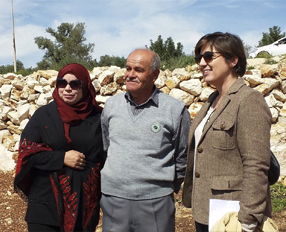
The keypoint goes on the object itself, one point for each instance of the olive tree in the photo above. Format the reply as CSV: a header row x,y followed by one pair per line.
x,y
67,46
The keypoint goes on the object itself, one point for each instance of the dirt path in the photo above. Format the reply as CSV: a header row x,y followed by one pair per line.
x,y
12,210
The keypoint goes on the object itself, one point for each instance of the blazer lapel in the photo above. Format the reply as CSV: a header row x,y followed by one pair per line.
x,y
216,113
201,114
225,101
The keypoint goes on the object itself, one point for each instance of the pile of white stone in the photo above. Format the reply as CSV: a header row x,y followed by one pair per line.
x,y
20,96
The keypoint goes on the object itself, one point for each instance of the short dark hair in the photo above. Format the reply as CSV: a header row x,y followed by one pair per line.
x,y
228,45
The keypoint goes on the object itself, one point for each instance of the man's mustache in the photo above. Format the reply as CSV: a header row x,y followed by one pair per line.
x,y
133,79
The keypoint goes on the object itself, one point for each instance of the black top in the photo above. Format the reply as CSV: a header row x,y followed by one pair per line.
x,y
59,195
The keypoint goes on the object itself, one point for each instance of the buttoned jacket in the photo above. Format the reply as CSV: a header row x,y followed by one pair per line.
x,y
232,157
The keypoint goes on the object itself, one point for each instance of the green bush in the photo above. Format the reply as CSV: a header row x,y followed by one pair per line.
x,y
263,55
270,61
177,62
278,197
250,67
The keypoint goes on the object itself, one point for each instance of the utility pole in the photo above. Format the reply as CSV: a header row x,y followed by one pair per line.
x,y
14,44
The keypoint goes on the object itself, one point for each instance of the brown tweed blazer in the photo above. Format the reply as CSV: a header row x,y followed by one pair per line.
x,y
233,156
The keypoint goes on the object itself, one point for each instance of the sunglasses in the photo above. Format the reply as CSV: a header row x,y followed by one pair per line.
x,y
208,57
74,84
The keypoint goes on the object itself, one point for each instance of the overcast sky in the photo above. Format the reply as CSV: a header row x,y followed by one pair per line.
x,y
116,27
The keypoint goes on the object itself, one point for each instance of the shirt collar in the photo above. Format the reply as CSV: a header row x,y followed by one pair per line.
x,y
154,97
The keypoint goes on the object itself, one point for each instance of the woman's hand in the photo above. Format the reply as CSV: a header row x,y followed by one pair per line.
x,y
74,159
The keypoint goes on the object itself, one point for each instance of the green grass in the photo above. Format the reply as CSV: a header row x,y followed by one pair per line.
x,y
278,197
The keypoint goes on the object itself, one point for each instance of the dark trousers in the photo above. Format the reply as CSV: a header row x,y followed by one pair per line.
x,y
33,227
201,227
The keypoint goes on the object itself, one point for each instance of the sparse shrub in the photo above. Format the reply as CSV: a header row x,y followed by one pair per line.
x,y
270,61
263,55
278,197
250,67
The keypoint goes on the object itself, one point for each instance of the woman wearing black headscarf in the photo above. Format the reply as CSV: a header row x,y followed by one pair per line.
x,y
60,157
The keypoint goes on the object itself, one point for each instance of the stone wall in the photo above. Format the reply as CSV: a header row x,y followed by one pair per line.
x,y
21,96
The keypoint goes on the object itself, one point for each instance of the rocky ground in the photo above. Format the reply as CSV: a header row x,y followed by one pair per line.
x,y
12,210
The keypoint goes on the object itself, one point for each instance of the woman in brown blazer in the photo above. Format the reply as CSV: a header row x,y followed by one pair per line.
x,y
229,140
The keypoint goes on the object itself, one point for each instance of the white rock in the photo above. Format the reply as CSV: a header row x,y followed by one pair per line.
x,y
95,72
32,110
2,125
197,76
23,124
5,91
33,97
43,81
195,108
105,77
181,73
119,76
274,113
101,99
18,83
10,76
283,86
3,133
96,85
42,100
6,159
172,82
272,102
108,89
267,86
14,117
253,79
47,89
192,86
31,82
23,111
206,93
4,110
114,69
38,88
182,96
160,82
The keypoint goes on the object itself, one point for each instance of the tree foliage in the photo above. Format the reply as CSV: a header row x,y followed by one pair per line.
x,y
171,56
107,60
273,35
20,69
166,49
68,46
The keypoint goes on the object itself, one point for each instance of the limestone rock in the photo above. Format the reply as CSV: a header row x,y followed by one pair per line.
x,y
192,86
6,159
268,85
268,70
172,82
206,93
105,77
5,91
195,108
182,96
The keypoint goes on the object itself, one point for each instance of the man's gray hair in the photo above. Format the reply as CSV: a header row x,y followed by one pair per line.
x,y
155,62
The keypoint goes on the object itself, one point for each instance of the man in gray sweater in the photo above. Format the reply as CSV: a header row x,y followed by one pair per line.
x,y
145,133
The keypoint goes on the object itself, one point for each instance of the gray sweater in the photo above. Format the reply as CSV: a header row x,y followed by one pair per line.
x,y
142,149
